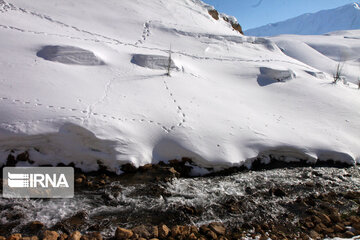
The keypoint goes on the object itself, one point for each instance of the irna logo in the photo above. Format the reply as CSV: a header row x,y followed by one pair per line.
x,y
38,182
16,180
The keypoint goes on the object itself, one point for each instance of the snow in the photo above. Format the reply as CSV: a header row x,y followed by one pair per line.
x,y
69,55
269,75
153,61
224,107
342,18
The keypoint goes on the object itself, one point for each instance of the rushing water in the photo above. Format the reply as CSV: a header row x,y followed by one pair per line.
x,y
233,199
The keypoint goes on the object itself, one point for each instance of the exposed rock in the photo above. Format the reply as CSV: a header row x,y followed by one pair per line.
x,y
194,229
218,228
142,231
72,223
324,218
320,228
50,235
192,236
11,161
316,219
92,236
211,235
314,235
30,238
163,231
204,229
237,27
356,226
155,231
338,228
15,236
249,190
75,236
63,236
24,157
354,219
214,14
175,231
25,238
181,232
349,234
79,181
174,172
146,167
309,224
304,236
335,216
122,233
33,228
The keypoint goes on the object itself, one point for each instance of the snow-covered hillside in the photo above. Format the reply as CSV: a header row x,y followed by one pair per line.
x,y
342,18
84,82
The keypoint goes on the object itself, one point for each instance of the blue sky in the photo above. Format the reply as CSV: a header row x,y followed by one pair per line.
x,y
250,14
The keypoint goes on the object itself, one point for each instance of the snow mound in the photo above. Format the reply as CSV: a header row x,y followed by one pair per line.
x,y
69,55
267,43
153,61
319,75
269,75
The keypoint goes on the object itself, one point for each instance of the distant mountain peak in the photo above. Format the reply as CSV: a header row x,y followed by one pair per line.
x,y
314,23
356,5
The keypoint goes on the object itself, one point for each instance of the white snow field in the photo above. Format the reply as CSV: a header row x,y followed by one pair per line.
x,y
346,17
99,94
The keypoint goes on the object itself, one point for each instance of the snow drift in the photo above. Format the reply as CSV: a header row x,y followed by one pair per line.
x,y
69,55
219,110
153,61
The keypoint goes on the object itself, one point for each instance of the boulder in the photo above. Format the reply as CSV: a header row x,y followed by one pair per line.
x,y
75,236
15,236
163,231
122,233
92,236
142,231
314,235
50,235
214,14
218,228
155,231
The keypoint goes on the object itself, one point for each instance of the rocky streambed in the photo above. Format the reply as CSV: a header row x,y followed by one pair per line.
x,y
164,202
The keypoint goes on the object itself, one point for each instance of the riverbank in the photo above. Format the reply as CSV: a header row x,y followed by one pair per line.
x,y
296,202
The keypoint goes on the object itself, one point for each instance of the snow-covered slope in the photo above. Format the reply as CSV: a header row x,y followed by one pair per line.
x,y
343,18
84,82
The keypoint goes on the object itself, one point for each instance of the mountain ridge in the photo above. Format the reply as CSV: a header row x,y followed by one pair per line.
x,y
321,22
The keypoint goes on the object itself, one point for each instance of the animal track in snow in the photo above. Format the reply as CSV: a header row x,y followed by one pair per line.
x,y
145,33
117,42
37,103
4,6
179,108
